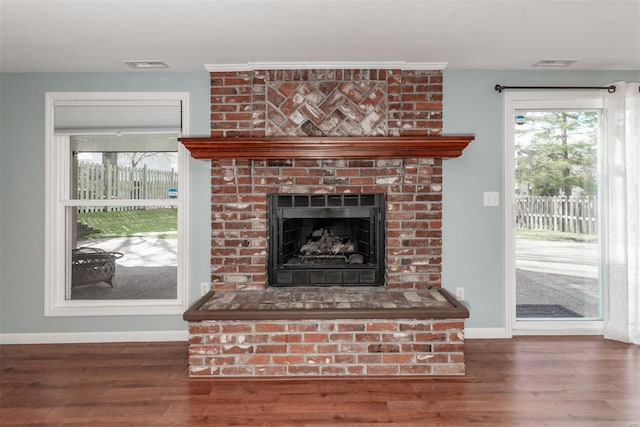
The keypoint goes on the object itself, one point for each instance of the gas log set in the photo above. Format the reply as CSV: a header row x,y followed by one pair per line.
x,y
324,247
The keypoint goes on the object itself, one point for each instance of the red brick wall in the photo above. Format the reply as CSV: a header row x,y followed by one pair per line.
x,y
326,348
247,103
329,103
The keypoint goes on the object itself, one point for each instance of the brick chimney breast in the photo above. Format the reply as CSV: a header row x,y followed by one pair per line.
x,y
340,102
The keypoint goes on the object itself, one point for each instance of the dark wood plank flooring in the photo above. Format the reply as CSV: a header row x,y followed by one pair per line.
x,y
527,381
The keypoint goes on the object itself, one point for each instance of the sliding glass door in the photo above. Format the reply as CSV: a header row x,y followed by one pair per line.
x,y
556,215
554,268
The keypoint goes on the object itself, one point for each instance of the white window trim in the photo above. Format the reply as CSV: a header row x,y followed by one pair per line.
x,y
56,159
546,100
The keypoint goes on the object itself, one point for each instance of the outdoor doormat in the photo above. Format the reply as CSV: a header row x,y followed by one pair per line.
x,y
544,311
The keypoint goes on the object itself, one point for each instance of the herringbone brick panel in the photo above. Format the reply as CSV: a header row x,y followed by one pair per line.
x,y
326,108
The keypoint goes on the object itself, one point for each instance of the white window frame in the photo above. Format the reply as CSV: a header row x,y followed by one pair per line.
x,y
57,199
542,100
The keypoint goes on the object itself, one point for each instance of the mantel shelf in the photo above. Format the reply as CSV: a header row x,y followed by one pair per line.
x,y
327,147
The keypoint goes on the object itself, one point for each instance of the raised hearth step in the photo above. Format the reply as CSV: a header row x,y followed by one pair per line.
x,y
327,303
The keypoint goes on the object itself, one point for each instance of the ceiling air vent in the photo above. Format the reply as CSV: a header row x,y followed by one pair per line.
x,y
153,63
555,63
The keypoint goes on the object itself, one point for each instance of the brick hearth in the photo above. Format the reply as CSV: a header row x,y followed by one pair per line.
x,y
327,331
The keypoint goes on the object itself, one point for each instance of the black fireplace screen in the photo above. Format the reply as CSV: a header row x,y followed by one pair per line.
x,y
326,239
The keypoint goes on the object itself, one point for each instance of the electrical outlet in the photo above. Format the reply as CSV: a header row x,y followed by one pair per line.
x,y
204,288
491,198
460,294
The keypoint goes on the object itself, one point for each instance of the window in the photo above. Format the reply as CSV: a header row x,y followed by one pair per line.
x,y
116,198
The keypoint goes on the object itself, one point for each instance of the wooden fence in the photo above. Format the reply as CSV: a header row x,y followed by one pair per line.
x,y
97,181
558,213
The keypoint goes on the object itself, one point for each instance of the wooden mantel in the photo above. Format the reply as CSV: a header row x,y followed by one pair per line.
x,y
327,147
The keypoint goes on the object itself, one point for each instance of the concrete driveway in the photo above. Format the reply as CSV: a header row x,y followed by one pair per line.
x,y
147,269
565,273
147,251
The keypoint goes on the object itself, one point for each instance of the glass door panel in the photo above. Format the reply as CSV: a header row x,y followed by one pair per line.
x,y
556,215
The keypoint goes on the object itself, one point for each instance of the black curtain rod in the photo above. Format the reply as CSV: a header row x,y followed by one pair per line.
x,y
610,89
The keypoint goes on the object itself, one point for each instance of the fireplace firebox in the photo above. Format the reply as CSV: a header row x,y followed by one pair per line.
x,y
326,239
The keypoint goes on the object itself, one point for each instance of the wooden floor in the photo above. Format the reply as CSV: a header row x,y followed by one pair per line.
x,y
560,381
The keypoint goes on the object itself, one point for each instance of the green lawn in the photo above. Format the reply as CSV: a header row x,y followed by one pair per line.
x,y
162,222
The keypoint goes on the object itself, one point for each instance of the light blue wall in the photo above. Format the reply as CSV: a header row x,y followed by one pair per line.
x,y
22,222
473,235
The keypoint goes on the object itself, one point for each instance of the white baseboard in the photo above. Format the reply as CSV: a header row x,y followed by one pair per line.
x,y
564,327
93,337
485,333
555,332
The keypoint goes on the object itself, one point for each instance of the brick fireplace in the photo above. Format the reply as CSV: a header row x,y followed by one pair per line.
x,y
253,116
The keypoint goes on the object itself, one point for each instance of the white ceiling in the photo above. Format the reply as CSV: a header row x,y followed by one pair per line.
x,y
97,35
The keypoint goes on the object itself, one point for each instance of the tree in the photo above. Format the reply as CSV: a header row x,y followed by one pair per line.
x,y
136,157
556,152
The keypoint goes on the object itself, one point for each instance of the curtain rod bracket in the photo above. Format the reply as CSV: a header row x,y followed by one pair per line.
x,y
610,89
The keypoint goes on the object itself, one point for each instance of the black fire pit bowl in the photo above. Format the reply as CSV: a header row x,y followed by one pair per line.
x,y
92,265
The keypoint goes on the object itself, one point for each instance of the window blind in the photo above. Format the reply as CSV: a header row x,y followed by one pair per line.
x,y
109,117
